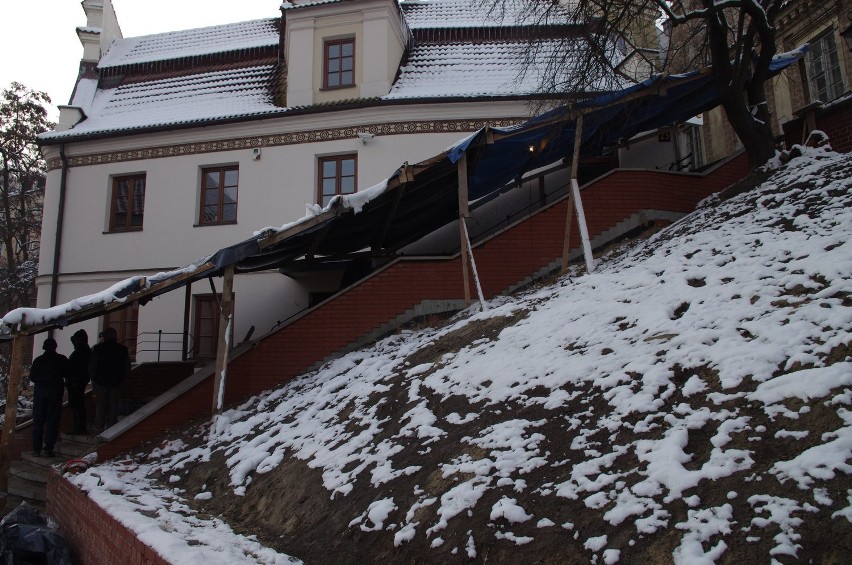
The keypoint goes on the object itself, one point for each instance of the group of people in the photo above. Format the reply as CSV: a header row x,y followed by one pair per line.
x,y
107,365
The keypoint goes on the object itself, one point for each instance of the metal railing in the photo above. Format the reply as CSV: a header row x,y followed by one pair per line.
x,y
165,342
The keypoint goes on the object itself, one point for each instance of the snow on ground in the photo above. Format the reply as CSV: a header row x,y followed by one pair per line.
x,y
163,520
727,326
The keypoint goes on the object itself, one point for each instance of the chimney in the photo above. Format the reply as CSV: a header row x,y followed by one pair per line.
x,y
100,31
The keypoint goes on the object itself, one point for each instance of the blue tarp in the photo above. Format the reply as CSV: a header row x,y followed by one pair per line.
x,y
659,101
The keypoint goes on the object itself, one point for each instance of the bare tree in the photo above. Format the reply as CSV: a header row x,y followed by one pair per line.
x,y
735,37
22,117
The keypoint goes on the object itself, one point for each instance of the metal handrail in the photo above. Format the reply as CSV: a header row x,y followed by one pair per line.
x,y
164,345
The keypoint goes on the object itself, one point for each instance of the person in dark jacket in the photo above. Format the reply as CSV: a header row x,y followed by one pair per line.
x,y
48,375
108,369
78,378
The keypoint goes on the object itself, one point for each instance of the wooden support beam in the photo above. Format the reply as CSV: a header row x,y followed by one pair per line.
x,y
466,243
569,214
576,203
222,350
464,212
303,225
12,391
317,241
187,305
400,190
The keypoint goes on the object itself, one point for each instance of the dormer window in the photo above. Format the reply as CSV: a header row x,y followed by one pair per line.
x,y
339,63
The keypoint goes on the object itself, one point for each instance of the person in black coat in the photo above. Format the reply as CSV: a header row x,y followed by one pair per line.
x,y
77,379
109,367
48,375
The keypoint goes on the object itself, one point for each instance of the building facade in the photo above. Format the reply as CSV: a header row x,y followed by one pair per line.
x,y
824,77
177,144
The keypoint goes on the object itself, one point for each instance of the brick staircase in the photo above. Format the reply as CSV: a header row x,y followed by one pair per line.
x,y
525,250
28,475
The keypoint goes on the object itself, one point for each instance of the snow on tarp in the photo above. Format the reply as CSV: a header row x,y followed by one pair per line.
x,y
355,220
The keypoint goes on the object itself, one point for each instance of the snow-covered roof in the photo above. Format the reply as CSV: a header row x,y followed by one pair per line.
x,y
216,95
228,71
191,43
429,14
493,68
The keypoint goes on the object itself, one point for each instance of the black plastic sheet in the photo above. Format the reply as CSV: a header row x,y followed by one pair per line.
x,y
29,538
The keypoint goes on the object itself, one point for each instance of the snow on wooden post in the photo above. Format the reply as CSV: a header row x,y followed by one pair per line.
x,y
12,391
473,268
575,203
225,317
464,212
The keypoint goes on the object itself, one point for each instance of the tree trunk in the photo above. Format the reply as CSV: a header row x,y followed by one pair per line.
x,y
754,132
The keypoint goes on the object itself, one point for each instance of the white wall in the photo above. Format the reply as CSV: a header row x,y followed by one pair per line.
x,y
272,191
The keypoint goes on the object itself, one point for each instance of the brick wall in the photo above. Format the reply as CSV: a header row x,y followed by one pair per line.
x,y
502,261
95,537
835,121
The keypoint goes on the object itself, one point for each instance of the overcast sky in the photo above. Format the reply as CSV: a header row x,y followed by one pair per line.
x,y
39,45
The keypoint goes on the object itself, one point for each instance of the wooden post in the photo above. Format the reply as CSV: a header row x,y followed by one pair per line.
x,y
464,212
569,214
12,391
225,319
187,304
473,268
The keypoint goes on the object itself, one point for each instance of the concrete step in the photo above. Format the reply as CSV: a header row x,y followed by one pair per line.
x,y
29,471
46,461
27,489
75,448
88,439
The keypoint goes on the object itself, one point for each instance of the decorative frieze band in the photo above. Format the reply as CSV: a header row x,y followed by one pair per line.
x,y
311,136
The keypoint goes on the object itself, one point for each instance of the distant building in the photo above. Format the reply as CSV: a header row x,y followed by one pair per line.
x,y
821,79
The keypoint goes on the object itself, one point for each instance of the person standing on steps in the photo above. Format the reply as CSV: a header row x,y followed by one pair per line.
x,y
108,369
48,374
78,378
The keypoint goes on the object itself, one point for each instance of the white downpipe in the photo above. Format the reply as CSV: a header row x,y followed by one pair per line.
x,y
584,231
473,266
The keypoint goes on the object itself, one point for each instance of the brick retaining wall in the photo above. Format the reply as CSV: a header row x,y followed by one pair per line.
x,y
835,121
94,536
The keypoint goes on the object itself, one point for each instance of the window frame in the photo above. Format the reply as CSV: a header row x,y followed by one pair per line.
x,y
222,171
834,88
326,59
338,177
131,179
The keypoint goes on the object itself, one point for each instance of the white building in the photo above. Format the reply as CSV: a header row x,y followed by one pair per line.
x,y
177,144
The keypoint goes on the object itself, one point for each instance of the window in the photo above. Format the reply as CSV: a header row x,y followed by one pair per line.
x,y
337,176
126,324
219,195
339,60
127,205
823,65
